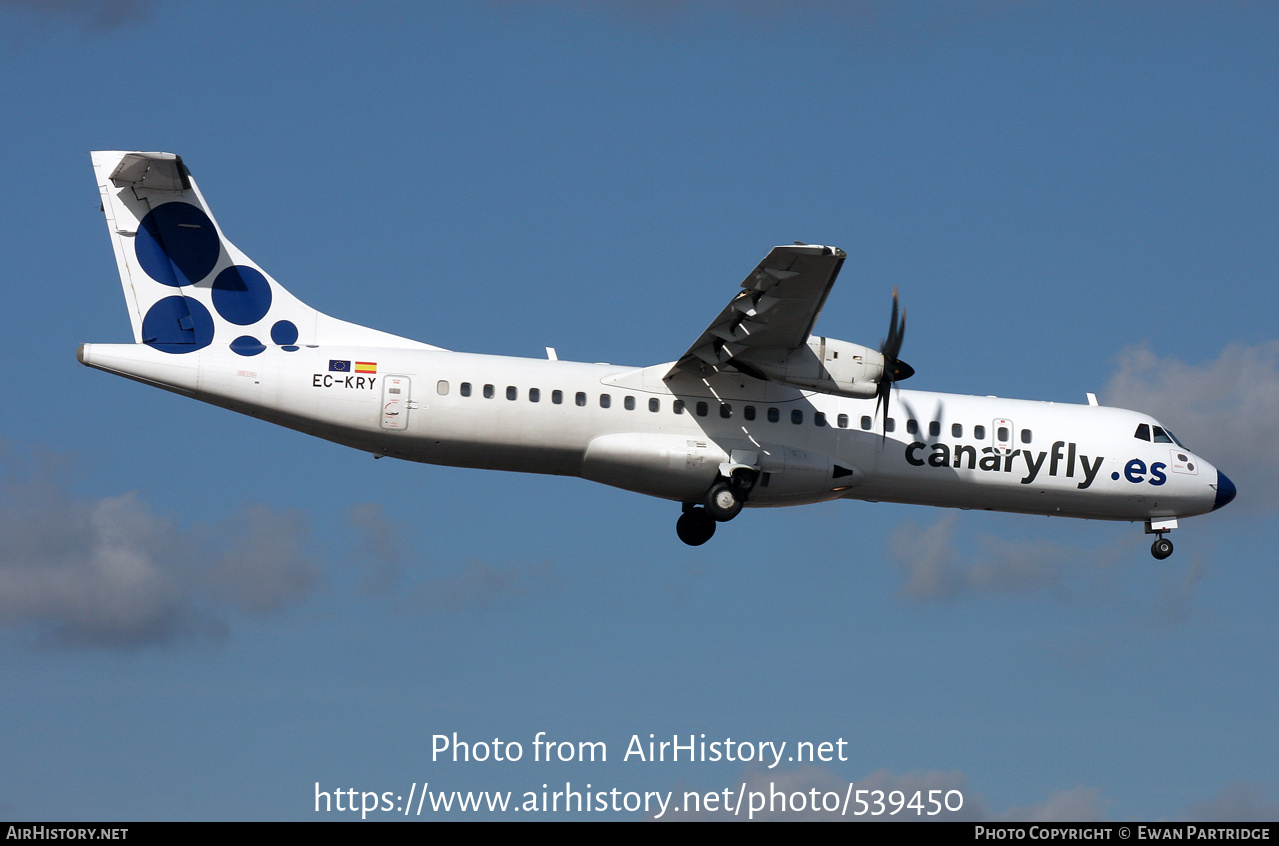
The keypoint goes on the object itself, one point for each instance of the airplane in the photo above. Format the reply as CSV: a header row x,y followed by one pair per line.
x,y
757,412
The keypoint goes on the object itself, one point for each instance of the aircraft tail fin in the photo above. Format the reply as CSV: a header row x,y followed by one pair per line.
x,y
185,284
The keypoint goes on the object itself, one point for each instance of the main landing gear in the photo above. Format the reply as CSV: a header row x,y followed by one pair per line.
x,y
721,503
695,526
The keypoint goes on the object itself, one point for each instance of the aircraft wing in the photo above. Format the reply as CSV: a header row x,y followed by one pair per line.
x,y
776,309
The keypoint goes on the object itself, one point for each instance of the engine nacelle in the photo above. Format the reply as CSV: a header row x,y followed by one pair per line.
x,y
823,364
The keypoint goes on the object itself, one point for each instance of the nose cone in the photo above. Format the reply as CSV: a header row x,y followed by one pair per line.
x,y
1225,491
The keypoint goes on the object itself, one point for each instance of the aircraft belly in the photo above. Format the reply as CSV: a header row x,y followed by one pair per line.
x,y
485,455
670,466
493,438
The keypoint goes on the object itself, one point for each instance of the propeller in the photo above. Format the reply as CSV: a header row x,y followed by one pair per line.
x,y
895,370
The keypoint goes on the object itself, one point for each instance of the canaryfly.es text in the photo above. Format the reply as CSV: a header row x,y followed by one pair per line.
x,y
1063,459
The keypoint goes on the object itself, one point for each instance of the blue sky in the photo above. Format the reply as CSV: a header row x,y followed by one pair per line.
x,y
201,616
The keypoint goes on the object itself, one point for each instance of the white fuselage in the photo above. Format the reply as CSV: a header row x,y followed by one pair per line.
x,y
634,429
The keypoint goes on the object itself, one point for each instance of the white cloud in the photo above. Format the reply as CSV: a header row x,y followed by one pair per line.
x,y
790,796
935,569
379,549
112,572
1237,802
1080,804
266,566
1226,410
382,554
928,559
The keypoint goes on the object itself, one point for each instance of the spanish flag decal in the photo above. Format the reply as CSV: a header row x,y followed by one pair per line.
x,y
366,367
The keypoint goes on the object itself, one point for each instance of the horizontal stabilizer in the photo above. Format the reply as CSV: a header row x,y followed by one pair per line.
x,y
157,171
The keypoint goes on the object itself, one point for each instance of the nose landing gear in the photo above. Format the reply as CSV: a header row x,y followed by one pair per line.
x,y
1162,547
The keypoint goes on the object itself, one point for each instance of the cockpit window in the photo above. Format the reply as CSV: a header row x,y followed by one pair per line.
x,y
1163,436
1143,432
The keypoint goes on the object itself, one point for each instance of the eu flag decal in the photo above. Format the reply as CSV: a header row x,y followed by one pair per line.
x,y
336,366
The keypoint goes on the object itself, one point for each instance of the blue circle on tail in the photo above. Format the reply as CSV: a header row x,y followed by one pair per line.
x,y
241,295
177,244
177,325
284,333
247,345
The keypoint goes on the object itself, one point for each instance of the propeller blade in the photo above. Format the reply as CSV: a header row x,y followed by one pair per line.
x,y
881,395
895,369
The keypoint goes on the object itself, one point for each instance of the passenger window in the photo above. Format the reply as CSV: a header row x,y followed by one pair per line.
x,y
466,389
956,430
1143,432
1025,436
819,419
774,415
488,392
934,429
1002,434
557,397
702,409
979,432
725,410
629,402
890,425
912,427
654,404
843,421
749,412
1161,437
678,406
796,416
512,392
442,388
580,399
867,422
534,395
605,400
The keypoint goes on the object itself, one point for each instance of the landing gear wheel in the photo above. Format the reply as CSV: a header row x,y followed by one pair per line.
x,y
695,527
722,503
1161,548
